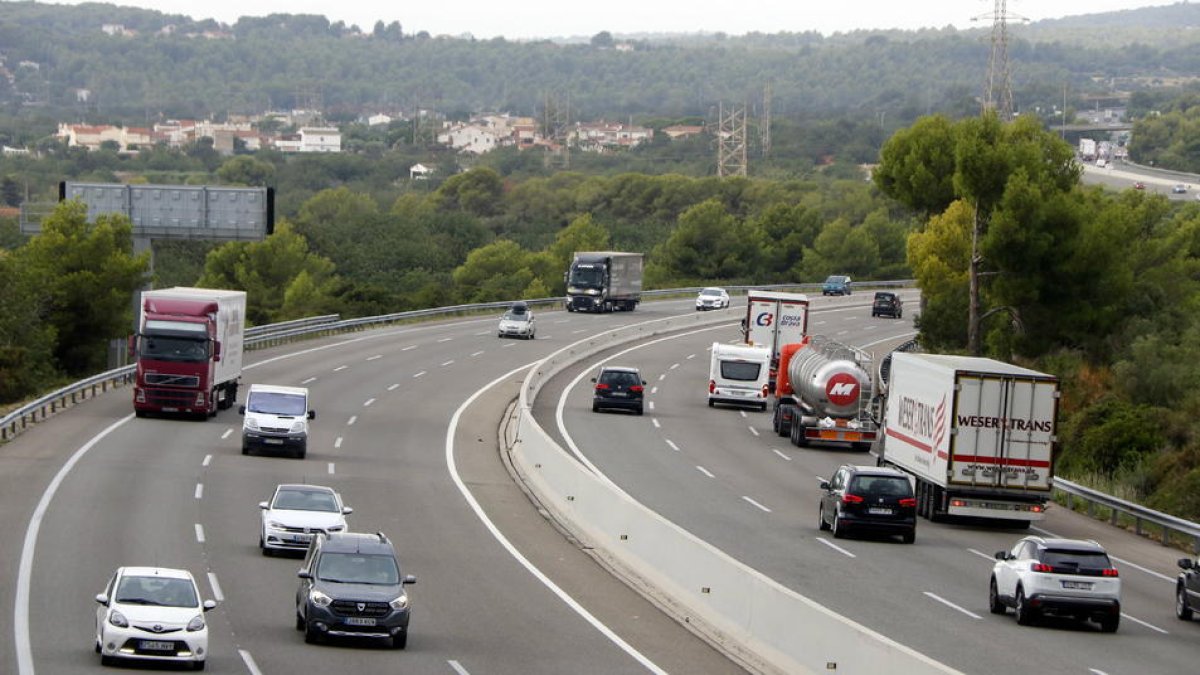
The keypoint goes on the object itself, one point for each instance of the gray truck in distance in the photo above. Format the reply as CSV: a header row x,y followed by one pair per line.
x,y
604,281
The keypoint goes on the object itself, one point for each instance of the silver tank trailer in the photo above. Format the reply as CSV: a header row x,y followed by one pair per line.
x,y
832,379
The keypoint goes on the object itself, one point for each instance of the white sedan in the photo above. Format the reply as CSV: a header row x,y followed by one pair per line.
x,y
297,512
152,614
712,298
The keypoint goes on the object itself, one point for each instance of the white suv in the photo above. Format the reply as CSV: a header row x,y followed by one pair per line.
x,y
1060,577
152,614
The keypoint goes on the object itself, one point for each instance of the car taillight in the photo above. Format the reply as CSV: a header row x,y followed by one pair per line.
x,y
637,389
600,386
1041,567
766,391
1037,508
908,502
851,499
712,386
1110,572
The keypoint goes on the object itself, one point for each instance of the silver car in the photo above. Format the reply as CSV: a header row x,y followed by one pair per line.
x,y
518,321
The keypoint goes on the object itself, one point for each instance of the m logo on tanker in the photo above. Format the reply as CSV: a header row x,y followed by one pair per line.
x,y
842,389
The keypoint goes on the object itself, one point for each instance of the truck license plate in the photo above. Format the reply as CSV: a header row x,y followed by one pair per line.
x,y
156,646
360,621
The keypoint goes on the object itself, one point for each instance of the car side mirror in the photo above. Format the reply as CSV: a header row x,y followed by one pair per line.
x,y
409,579
209,604
312,414
824,485
262,505
346,510
241,410
1186,563
304,574
131,344
1001,555
102,599
643,382
216,351
593,379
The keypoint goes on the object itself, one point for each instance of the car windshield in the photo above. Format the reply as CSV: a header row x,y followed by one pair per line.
x,y
711,291
742,371
276,403
305,500
158,591
510,316
835,280
1090,560
358,568
884,297
620,379
881,486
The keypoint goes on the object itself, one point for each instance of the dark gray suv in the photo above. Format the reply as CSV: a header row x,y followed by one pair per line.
x,y
351,586
618,387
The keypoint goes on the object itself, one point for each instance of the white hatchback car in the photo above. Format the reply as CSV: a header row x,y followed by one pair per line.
x,y
1060,577
296,513
152,614
712,298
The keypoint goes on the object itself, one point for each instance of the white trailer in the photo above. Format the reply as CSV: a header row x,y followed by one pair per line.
x,y
977,435
774,319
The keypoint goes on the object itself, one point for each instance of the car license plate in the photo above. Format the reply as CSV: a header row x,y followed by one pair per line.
x,y
360,621
301,538
619,394
156,646
1078,585
273,441
879,512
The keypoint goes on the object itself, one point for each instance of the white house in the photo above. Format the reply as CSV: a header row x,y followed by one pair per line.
x,y
419,172
320,139
470,138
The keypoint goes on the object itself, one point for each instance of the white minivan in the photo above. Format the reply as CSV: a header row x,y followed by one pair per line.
x,y
276,418
739,375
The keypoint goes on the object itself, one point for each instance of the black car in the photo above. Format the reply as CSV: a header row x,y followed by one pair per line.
x,y
1187,589
887,304
868,499
351,586
618,387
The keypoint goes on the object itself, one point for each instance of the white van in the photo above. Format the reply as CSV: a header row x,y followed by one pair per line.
x,y
739,375
276,418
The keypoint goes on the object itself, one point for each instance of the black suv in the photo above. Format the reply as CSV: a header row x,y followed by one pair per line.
x,y
887,303
618,387
1187,589
868,498
351,586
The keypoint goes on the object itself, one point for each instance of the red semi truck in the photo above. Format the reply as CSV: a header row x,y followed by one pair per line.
x,y
189,350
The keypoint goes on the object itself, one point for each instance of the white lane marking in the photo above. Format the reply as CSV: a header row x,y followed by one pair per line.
x,y
820,323
656,424
887,339
742,413
1096,671
705,471
249,661
951,605
513,344
207,460
367,403
672,444
447,363
563,321
691,356
452,466
337,443
753,430
408,348
756,504
199,490
780,453
340,368
375,358
654,390
458,667
981,554
651,404
486,332
1170,580
216,587
581,330
393,387
199,533
835,547
662,377
352,420
331,468
311,379
674,366
226,434
1147,625
419,374
445,339
476,353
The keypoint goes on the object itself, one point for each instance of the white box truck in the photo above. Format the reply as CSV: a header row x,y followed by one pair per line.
x,y
774,319
738,375
977,435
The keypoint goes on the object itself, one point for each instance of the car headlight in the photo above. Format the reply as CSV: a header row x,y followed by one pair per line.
x,y
251,424
319,599
336,528
197,623
275,525
297,427
400,602
118,619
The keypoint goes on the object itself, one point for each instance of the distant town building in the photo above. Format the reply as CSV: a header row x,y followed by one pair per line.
x,y
679,131
608,136
419,172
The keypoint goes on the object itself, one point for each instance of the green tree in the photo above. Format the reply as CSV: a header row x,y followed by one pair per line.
x,y
87,274
26,342
709,245
246,170
477,192
497,271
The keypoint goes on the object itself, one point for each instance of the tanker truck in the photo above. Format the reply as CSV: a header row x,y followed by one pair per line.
x,y
976,434
823,393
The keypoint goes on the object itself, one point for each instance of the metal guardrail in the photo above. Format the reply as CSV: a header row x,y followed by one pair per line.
x,y
269,328
1141,515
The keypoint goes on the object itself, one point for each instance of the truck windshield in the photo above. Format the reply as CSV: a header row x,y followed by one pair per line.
x,y
586,276
275,403
173,348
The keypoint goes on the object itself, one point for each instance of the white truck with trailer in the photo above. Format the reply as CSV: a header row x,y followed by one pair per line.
x,y
977,435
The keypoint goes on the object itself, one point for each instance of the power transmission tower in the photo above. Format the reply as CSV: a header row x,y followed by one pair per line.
x,y
731,142
997,91
556,127
765,129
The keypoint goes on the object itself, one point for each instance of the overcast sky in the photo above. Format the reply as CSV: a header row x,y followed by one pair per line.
x,y
517,19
